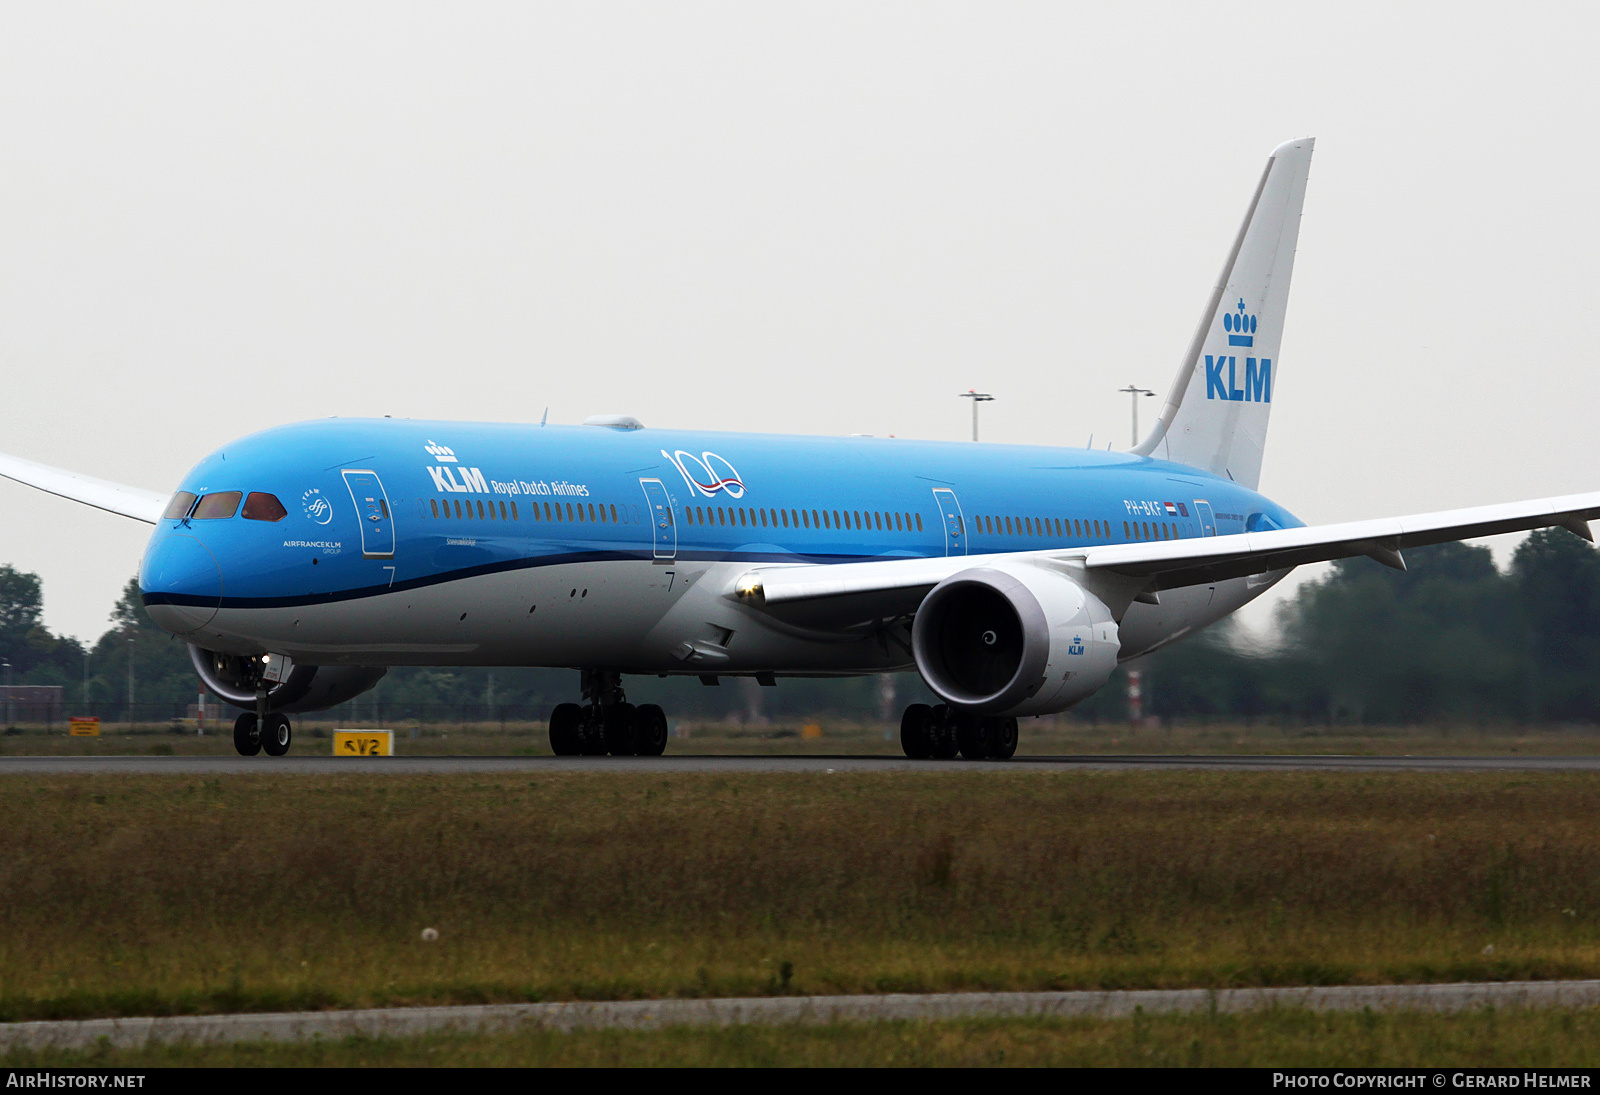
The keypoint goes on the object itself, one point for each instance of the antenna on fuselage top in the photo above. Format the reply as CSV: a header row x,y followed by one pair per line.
x,y
543,417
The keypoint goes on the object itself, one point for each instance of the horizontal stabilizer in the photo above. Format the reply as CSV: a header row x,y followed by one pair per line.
x,y
141,505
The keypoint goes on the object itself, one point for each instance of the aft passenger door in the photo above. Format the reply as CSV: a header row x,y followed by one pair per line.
x,y
1208,520
955,527
664,529
372,505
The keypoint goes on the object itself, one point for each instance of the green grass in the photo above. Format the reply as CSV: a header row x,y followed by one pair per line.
x,y
1286,1038
130,895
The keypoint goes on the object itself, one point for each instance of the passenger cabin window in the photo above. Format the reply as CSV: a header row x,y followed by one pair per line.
x,y
263,507
218,507
179,507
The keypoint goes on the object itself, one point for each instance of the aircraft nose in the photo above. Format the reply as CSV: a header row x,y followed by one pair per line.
x,y
181,582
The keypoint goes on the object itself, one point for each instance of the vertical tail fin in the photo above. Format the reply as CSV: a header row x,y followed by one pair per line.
x,y
1216,414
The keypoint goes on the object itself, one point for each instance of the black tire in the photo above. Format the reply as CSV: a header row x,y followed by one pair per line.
x,y
650,728
916,731
621,730
972,735
277,735
245,738
592,739
566,730
942,730
1002,739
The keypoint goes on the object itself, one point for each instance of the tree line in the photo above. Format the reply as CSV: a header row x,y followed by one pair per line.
x,y
1453,638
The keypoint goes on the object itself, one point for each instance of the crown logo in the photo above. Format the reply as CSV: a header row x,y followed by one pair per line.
x,y
440,453
1241,327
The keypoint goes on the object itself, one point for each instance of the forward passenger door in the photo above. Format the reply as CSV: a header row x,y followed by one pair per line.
x,y
372,507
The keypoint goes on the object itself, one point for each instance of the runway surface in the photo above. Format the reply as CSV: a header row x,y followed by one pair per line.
x,y
785,1010
225,765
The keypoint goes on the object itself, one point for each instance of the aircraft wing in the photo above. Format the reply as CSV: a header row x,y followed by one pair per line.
x,y
856,591
141,505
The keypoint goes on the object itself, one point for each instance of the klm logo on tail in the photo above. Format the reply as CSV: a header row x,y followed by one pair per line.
x,y
1241,329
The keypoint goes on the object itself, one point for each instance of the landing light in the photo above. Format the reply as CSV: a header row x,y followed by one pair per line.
x,y
748,587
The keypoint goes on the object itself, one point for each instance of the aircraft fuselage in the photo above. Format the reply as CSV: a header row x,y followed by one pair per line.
x,y
438,543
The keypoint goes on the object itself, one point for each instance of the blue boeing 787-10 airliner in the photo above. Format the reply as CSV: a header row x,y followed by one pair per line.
x,y
301,562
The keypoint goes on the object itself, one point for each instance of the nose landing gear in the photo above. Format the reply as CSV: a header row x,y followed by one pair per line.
x,y
607,722
942,731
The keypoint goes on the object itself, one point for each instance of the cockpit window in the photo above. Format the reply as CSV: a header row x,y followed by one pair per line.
x,y
216,507
263,507
179,507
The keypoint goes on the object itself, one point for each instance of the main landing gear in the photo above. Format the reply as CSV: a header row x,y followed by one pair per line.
x,y
606,722
252,734
943,731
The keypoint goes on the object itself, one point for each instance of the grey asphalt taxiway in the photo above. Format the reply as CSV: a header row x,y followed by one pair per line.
x,y
785,1010
685,763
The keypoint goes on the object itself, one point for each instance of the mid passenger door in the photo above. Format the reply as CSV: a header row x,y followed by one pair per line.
x,y
659,509
955,527
372,506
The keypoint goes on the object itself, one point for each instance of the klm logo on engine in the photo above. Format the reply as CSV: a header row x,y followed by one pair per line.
x,y
1223,373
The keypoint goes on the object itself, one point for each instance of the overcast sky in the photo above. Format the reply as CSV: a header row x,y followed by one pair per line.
x,y
799,218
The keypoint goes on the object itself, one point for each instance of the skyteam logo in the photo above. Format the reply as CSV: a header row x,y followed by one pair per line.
x,y
440,452
1240,326
707,473
317,506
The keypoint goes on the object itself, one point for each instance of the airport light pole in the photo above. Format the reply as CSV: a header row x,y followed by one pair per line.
x,y
1135,392
976,397
11,716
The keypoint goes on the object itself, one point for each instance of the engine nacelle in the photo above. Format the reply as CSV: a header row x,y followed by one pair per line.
x,y
1013,639
235,678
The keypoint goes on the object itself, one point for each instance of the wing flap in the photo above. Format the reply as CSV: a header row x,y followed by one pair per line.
x,y
141,505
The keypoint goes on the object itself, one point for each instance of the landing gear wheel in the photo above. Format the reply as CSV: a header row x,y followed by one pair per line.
x,y
972,735
942,732
1002,738
246,736
593,737
916,731
621,736
650,729
566,730
276,735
